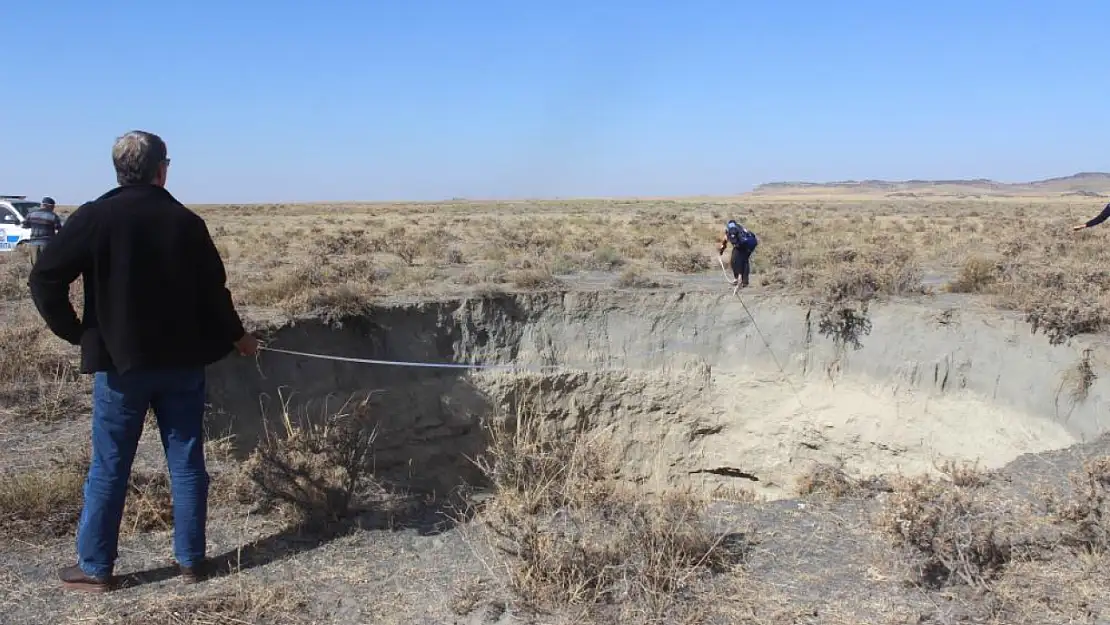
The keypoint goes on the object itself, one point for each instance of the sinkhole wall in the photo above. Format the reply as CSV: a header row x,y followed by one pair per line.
x,y
683,381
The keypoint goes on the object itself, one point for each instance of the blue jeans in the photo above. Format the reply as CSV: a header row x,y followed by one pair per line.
x,y
120,404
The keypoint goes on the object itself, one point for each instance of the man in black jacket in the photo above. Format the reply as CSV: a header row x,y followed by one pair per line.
x,y
157,311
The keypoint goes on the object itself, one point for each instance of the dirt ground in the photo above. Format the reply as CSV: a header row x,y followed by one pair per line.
x,y
554,534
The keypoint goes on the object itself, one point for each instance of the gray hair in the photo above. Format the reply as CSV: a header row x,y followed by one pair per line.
x,y
137,156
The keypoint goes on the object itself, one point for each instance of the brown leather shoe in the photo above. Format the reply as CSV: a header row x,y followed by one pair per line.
x,y
75,579
194,574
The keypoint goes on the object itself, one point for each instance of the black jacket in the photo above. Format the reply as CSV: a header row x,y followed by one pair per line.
x,y
155,294
1101,217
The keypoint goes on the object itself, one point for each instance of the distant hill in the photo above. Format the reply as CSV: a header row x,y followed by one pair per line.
x,y
1086,184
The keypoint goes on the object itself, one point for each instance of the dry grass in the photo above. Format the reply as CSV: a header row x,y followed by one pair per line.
x,y
1084,511
257,603
15,268
338,259
44,504
571,534
963,474
39,377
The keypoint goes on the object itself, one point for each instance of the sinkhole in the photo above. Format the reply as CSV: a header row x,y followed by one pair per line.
x,y
683,383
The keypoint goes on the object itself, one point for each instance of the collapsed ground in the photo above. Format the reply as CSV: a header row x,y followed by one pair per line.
x,y
1022,544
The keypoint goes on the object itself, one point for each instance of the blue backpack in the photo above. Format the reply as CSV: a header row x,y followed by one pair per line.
x,y
740,236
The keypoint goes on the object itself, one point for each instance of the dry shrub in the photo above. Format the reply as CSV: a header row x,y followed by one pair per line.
x,y
350,242
606,259
1062,319
533,278
408,246
332,304
149,506
287,284
317,473
955,534
635,278
827,480
1059,280
682,261
1057,590
976,275
265,603
843,306
331,287
1084,512
1080,378
467,596
575,535
963,474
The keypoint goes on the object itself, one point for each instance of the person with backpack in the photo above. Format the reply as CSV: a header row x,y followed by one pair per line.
x,y
743,243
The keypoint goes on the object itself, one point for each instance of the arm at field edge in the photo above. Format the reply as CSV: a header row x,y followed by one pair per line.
x,y
1101,217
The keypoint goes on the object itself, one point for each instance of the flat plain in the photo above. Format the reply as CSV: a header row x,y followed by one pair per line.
x,y
563,511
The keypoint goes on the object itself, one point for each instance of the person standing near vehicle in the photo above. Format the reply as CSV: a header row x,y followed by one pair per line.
x,y
44,224
1096,220
157,311
743,243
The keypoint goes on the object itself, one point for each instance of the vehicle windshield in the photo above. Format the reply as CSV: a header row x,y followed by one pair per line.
x,y
25,208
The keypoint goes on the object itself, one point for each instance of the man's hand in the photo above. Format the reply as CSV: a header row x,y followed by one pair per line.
x,y
248,345
1079,227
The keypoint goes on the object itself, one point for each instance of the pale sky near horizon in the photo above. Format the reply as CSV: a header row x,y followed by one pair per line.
x,y
356,100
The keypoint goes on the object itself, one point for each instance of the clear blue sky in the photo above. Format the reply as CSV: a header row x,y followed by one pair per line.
x,y
278,100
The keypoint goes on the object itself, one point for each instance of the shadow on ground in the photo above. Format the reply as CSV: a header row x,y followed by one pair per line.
x,y
424,519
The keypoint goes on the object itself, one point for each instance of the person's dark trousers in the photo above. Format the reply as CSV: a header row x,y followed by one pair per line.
x,y
741,263
120,404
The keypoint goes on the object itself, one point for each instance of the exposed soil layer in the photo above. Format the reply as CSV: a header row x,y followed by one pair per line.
x,y
684,382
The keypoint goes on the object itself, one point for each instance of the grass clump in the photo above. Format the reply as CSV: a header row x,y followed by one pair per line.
x,y
573,535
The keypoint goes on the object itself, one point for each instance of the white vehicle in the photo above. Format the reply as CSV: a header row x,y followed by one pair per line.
x,y
13,211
